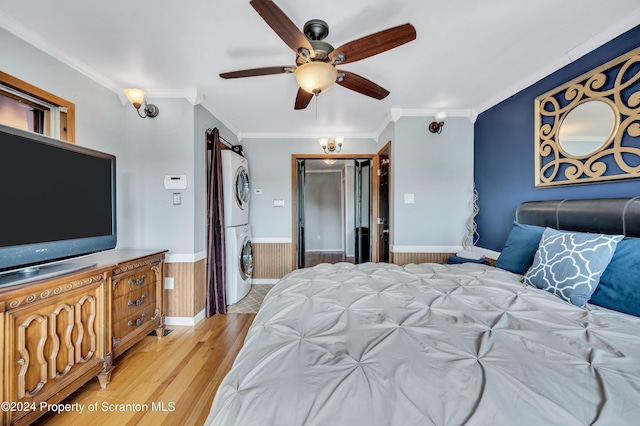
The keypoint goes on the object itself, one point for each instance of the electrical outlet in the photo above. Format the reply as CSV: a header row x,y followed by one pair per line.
x,y
168,283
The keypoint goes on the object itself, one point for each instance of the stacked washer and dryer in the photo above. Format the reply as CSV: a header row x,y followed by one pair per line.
x,y
239,252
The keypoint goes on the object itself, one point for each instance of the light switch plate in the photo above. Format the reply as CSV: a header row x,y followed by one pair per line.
x,y
278,203
409,198
168,283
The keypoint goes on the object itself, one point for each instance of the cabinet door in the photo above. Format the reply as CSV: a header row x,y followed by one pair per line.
x,y
54,340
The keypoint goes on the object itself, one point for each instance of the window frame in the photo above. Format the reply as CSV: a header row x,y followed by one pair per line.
x,y
67,110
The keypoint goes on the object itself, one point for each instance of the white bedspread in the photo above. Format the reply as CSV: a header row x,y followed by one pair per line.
x,y
429,344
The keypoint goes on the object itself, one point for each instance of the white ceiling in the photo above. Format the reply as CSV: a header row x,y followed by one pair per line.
x,y
468,55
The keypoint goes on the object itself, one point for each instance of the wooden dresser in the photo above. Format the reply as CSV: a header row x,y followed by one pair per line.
x,y
60,332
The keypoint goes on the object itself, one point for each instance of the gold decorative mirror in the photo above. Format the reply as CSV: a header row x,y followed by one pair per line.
x,y
588,130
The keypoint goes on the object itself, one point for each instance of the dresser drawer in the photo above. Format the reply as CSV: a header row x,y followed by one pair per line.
x,y
132,282
133,301
133,321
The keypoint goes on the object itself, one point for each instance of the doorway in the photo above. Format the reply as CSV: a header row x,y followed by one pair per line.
x,y
383,217
333,209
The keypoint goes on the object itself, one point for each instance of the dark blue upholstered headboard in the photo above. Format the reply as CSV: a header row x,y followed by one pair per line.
x,y
615,216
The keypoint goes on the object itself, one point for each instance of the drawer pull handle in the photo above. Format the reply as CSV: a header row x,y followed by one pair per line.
x,y
139,281
138,321
21,361
137,302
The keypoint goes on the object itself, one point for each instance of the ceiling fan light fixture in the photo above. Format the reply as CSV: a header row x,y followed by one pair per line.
x,y
316,77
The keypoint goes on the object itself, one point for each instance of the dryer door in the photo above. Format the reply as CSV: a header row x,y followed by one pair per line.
x,y
246,259
241,188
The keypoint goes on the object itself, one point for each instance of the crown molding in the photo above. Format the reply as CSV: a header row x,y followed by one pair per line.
x,y
25,34
246,135
396,113
221,118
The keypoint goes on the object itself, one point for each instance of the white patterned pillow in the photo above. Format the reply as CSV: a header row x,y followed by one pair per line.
x,y
569,264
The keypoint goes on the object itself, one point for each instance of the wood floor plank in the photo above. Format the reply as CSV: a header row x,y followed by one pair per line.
x,y
183,368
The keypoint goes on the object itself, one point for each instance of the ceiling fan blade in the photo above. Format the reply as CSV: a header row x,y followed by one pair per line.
x,y
362,85
257,71
302,99
282,25
375,43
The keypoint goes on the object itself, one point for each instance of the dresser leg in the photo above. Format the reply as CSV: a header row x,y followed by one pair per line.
x,y
104,377
160,331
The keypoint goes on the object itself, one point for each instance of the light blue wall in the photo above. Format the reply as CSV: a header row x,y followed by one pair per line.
x,y
99,116
433,167
270,170
145,149
438,170
152,149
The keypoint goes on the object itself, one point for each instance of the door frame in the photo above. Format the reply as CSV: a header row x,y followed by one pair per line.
x,y
294,197
386,151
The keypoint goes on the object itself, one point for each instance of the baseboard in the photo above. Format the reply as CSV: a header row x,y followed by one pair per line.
x,y
425,249
185,321
265,281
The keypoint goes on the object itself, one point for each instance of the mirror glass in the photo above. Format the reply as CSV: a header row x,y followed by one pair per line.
x,y
586,128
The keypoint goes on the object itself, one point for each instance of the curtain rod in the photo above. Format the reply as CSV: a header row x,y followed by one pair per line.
x,y
226,142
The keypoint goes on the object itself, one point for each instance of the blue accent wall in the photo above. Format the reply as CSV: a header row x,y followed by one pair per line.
x,y
504,151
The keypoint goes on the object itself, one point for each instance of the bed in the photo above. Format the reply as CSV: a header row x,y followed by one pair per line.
x,y
433,344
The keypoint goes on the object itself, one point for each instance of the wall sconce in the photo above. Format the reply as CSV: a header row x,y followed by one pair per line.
x,y
136,97
436,126
331,145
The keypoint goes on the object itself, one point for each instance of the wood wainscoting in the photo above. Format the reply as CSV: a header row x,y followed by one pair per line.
x,y
188,297
271,260
406,258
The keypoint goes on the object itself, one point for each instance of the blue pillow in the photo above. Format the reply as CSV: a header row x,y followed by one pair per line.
x,y
569,264
521,246
619,287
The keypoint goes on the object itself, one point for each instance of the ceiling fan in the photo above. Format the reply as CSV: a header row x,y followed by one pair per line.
x,y
316,60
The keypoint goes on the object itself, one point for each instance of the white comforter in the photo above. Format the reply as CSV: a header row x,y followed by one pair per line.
x,y
429,344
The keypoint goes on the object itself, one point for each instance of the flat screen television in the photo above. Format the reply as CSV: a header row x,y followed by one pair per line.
x,y
57,201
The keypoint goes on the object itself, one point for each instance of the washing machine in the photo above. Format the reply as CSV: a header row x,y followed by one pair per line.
x,y
239,257
235,181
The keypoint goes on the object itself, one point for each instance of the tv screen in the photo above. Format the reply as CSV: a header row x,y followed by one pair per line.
x,y
58,199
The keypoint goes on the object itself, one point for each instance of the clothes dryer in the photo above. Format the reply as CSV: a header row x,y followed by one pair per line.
x,y
235,179
239,258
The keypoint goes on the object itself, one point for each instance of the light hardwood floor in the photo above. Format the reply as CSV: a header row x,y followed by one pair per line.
x,y
180,373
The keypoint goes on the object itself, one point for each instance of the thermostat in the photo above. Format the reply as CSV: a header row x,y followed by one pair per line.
x,y
175,182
